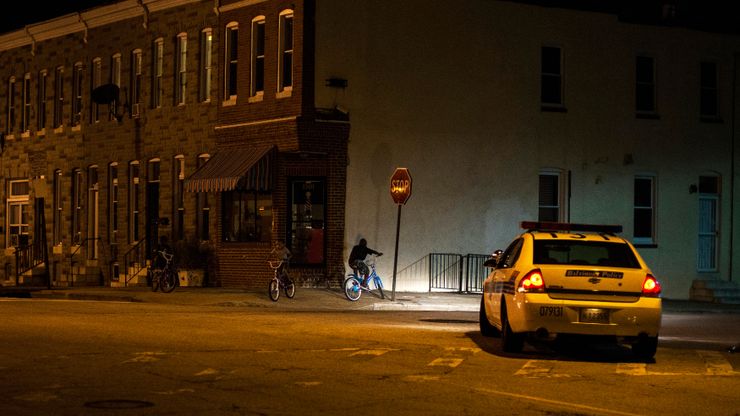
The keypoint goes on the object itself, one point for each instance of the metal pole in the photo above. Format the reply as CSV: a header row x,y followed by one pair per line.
x,y
395,256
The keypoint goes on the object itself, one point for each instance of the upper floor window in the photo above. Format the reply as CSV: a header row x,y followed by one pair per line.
x,y
115,78
551,88
157,72
285,60
181,79
41,114
136,74
645,85
231,53
644,210
709,96
59,97
96,80
258,57
26,116
206,64
77,78
10,124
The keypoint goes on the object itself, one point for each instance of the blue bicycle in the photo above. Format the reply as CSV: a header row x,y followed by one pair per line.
x,y
353,283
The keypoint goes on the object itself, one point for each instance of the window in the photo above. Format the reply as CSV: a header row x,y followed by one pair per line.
x,y
77,201
133,201
41,115
77,78
26,115
115,78
551,92
96,80
247,216
591,253
510,256
203,207
230,78
285,60
708,241
206,64
10,125
59,97
178,198
157,73
18,212
181,79
709,101
258,57
553,191
644,210
307,220
113,203
57,209
136,63
645,85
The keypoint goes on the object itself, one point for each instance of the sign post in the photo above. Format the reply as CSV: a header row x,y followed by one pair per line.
x,y
400,192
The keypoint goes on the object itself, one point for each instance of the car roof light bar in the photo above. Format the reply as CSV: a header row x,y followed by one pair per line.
x,y
566,226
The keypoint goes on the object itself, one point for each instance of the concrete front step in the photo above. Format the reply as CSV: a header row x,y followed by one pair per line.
x,y
715,291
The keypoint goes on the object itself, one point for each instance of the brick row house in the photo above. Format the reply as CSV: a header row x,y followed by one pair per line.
x,y
202,130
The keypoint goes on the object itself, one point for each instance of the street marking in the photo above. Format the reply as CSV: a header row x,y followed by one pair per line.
x,y
421,377
716,364
371,352
632,369
538,369
308,383
343,349
207,372
145,357
446,362
464,349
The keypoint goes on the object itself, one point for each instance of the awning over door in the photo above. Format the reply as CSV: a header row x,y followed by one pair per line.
x,y
249,168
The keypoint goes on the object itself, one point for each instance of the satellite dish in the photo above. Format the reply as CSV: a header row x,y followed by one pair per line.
x,y
105,94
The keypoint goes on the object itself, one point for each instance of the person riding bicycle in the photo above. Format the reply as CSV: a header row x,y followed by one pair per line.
x,y
357,260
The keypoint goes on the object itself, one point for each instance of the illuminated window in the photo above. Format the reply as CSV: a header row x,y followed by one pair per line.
x,y
285,60
645,85
181,79
157,73
307,220
644,210
77,79
258,56
206,64
231,48
709,99
247,216
551,92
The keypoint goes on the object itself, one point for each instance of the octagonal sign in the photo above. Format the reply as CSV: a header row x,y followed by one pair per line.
x,y
401,186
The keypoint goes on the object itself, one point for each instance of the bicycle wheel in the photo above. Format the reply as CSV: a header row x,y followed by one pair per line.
x,y
352,289
154,277
289,287
169,280
274,290
379,286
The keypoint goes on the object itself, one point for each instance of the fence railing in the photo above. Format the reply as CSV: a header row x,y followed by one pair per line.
x,y
447,272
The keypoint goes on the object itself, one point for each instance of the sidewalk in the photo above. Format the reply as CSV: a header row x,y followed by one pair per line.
x,y
311,299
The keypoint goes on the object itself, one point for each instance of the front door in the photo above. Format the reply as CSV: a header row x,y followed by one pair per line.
x,y
152,217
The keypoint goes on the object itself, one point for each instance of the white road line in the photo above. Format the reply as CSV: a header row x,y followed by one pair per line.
x,y
716,364
446,362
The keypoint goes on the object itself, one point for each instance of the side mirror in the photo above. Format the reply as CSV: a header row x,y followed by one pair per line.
x,y
491,262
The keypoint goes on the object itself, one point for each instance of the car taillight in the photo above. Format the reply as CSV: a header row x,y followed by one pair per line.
x,y
651,286
532,282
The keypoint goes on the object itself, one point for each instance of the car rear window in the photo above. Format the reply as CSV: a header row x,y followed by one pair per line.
x,y
589,253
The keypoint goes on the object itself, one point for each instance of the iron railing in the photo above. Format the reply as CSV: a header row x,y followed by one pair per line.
x,y
134,261
448,272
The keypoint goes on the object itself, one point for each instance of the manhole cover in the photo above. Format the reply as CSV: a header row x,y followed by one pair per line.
x,y
119,404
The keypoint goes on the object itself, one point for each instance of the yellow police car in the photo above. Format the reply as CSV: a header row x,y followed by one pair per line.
x,y
562,278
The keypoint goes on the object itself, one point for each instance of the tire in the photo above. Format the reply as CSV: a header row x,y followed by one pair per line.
x,y
154,277
274,290
486,329
645,348
379,285
169,280
289,287
352,289
510,341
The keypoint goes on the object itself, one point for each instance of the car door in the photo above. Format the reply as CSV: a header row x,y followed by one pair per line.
x,y
502,279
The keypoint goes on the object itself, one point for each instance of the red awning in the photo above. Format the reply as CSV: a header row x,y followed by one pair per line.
x,y
248,168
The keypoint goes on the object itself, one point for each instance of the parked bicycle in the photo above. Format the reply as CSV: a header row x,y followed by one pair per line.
x,y
353,283
163,273
280,279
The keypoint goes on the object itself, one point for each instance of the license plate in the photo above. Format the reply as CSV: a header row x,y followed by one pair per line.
x,y
594,316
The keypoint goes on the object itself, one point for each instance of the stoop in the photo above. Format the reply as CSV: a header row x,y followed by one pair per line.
x,y
715,291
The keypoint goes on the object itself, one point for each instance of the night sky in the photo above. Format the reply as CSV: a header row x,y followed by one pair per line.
x,y
19,13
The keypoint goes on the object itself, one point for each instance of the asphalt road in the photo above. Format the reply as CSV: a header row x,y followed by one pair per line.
x,y
85,357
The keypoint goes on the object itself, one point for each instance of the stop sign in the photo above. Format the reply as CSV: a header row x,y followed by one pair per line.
x,y
401,186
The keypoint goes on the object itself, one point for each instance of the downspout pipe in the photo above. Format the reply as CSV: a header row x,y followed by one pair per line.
x,y
732,165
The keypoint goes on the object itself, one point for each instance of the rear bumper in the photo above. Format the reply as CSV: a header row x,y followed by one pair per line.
x,y
538,313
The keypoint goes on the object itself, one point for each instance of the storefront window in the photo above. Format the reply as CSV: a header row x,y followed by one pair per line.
x,y
247,216
307,220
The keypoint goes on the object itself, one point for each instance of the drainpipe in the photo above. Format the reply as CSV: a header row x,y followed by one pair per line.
x,y
732,163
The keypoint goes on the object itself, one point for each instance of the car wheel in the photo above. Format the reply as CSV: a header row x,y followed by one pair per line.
x,y
510,341
645,347
486,329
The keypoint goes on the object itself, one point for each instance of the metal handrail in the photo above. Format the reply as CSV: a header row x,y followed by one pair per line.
x,y
134,256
